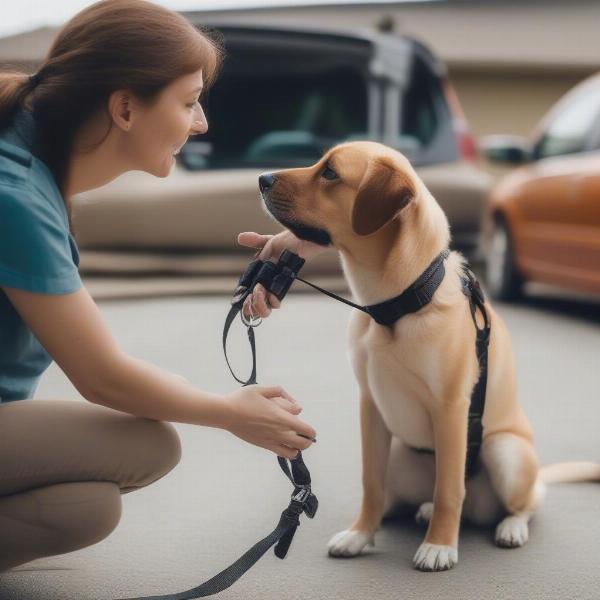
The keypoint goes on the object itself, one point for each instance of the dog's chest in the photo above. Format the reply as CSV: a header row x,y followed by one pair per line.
x,y
397,382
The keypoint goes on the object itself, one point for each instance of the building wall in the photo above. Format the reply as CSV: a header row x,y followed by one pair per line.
x,y
511,103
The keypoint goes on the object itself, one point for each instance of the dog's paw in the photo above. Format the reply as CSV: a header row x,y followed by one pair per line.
x,y
349,542
431,557
424,514
512,532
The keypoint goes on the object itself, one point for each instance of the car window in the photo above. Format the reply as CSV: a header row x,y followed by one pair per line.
x,y
419,117
571,129
276,117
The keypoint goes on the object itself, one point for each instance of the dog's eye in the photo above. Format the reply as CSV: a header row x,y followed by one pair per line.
x,y
328,173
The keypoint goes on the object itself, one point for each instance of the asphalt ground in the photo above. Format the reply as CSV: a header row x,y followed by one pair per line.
x,y
226,494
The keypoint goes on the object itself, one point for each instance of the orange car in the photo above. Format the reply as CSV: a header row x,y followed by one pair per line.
x,y
543,219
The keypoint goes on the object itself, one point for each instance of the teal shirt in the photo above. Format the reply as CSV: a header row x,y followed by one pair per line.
x,y
37,252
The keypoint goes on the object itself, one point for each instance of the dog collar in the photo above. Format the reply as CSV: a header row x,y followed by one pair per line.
x,y
412,299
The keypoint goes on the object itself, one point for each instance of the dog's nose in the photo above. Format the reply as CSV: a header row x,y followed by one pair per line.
x,y
266,181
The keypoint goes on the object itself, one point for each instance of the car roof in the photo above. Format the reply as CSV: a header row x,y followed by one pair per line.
x,y
382,43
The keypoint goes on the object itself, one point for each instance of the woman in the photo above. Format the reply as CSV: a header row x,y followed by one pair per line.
x,y
118,91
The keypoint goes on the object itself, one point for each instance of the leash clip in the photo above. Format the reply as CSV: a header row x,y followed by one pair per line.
x,y
252,322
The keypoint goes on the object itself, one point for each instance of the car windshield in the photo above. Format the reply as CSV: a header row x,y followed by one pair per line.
x,y
268,112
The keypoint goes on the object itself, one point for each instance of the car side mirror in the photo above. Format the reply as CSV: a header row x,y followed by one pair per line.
x,y
506,149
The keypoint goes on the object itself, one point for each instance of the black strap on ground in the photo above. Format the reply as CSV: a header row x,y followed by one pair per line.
x,y
303,500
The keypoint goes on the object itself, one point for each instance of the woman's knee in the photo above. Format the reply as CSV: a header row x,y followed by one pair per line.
x,y
167,441
158,451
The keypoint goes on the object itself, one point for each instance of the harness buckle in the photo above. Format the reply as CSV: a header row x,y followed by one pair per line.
x,y
303,500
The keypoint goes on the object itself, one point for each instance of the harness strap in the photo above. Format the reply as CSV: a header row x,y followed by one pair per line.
x,y
472,290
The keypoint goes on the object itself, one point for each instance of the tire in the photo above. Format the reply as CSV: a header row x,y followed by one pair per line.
x,y
504,282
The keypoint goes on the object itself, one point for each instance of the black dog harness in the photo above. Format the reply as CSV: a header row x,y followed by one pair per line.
x,y
415,297
277,279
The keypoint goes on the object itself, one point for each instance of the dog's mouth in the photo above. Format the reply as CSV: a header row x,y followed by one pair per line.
x,y
304,232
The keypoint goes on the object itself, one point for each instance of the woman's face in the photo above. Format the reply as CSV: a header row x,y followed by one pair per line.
x,y
160,131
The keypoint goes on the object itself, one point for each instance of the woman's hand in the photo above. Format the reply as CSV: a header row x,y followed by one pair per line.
x,y
260,302
266,417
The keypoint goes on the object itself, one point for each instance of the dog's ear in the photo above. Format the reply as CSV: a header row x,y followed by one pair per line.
x,y
383,191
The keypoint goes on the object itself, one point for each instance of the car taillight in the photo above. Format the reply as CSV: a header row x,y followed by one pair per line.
x,y
465,140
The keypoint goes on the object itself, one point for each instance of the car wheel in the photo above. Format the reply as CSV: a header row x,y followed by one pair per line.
x,y
503,280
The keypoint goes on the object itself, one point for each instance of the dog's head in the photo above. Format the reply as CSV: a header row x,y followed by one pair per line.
x,y
354,191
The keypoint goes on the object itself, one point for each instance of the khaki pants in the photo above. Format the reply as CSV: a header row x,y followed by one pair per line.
x,y
63,467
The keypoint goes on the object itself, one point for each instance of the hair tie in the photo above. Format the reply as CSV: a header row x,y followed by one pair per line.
x,y
34,79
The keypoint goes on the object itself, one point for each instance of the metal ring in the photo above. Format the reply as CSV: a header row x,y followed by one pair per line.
x,y
253,322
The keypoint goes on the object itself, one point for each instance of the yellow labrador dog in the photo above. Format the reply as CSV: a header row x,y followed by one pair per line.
x,y
416,376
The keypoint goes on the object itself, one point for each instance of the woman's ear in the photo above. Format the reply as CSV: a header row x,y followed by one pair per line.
x,y
120,108
383,191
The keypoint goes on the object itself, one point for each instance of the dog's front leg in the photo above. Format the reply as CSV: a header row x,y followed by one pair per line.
x,y
439,551
376,440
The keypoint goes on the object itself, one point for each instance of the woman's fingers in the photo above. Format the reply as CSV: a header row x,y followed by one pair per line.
x,y
293,444
260,301
273,301
258,304
274,391
290,406
293,440
285,451
296,424
253,239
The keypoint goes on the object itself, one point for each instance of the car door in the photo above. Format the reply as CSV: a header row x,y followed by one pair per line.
x,y
584,257
554,237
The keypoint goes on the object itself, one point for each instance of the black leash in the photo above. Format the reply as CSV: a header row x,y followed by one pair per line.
x,y
277,279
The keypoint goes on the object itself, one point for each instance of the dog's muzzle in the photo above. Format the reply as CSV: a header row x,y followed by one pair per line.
x,y
266,181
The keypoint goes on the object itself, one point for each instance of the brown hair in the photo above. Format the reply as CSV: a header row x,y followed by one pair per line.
x,y
112,44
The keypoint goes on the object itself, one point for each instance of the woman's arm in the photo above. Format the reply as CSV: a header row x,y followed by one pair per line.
x,y
73,332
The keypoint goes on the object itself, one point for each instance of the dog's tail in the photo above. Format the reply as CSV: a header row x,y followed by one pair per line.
x,y
570,472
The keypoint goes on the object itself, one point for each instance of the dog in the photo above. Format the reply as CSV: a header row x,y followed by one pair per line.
x,y
415,377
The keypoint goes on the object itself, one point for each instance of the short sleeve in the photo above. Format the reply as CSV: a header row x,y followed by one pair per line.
x,y
36,250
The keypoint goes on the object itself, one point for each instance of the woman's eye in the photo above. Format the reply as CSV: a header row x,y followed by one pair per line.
x,y
329,174
193,104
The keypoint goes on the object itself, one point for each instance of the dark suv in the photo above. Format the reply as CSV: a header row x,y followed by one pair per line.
x,y
282,98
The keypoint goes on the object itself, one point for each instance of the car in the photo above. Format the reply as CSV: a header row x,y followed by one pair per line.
x,y
283,97
542,223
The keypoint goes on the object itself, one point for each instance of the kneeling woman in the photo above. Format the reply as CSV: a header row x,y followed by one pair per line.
x,y
118,91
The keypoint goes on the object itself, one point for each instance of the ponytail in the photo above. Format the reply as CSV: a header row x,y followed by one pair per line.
x,y
15,87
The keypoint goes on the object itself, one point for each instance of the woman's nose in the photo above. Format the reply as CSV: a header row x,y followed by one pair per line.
x,y
199,124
